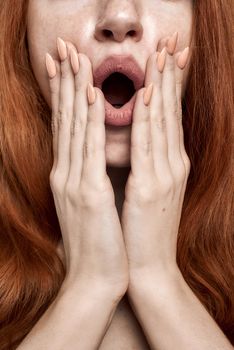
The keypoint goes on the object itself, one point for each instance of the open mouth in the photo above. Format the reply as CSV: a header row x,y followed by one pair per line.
x,y
118,89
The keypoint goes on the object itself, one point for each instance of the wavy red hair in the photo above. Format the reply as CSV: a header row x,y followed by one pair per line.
x,y
31,272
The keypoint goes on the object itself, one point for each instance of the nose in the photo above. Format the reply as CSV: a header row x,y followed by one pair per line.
x,y
119,20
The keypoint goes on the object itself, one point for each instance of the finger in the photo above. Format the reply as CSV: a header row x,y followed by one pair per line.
x,y
94,166
157,123
171,114
181,62
141,146
53,69
66,107
83,75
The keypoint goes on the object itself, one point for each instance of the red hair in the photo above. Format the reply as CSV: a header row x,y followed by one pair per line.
x,y
31,271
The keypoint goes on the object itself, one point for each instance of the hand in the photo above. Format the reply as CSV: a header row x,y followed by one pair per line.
x,y
160,167
84,198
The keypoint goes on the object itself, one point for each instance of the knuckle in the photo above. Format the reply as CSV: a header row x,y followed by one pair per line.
x,y
139,192
51,179
64,114
170,66
54,87
158,120
93,196
65,69
173,107
166,187
71,193
79,85
53,123
79,122
142,146
76,125
187,163
146,194
57,182
179,180
180,173
89,149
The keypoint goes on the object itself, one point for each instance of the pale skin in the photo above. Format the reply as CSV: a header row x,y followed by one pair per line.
x,y
135,204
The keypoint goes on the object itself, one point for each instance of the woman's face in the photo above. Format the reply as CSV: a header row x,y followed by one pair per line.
x,y
84,24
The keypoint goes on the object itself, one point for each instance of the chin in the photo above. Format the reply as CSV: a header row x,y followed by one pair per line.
x,y
117,155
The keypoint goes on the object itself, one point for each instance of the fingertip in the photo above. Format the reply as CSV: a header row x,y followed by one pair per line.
x,y
91,94
148,94
50,66
161,60
74,61
183,58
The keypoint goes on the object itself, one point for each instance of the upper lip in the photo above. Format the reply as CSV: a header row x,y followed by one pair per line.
x,y
125,64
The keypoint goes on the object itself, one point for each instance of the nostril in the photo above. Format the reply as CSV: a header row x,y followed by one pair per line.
x,y
107,33
132,33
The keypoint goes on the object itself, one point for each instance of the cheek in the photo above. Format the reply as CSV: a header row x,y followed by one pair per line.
x,y
37,59
41,37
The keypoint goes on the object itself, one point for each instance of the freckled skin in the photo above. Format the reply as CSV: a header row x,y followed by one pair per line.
x,y
82,22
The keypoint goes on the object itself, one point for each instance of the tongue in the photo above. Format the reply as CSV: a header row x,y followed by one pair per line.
x,y
117,89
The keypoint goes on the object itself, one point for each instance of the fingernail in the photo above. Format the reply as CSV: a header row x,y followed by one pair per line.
x,y
74,61
171,43
62,49
183,58
50,65
161,60
91,94
148,94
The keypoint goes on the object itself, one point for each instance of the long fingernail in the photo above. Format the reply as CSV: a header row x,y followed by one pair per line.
x,y
183,58
62,49
171,44
161,60
74,61
91,94
148,94
50,65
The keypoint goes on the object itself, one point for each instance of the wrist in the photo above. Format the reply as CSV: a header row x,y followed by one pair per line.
x,y
158,282
92,289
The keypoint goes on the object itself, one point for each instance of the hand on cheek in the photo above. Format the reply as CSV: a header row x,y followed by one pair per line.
x,y
84,200
159,166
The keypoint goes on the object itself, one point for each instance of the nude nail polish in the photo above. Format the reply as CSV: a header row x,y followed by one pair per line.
x,y
161,60
148,94
62,49
50,65
74,61
183,58
91,94
171,43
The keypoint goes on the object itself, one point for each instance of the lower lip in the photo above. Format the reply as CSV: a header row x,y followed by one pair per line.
x,y
119,116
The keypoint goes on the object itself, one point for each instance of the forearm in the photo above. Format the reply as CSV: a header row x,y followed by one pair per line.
x,y
77,319
172,317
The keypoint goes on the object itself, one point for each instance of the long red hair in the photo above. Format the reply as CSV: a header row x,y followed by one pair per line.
x,y
31,272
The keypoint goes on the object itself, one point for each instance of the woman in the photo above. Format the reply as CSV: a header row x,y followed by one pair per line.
x,y
131,246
